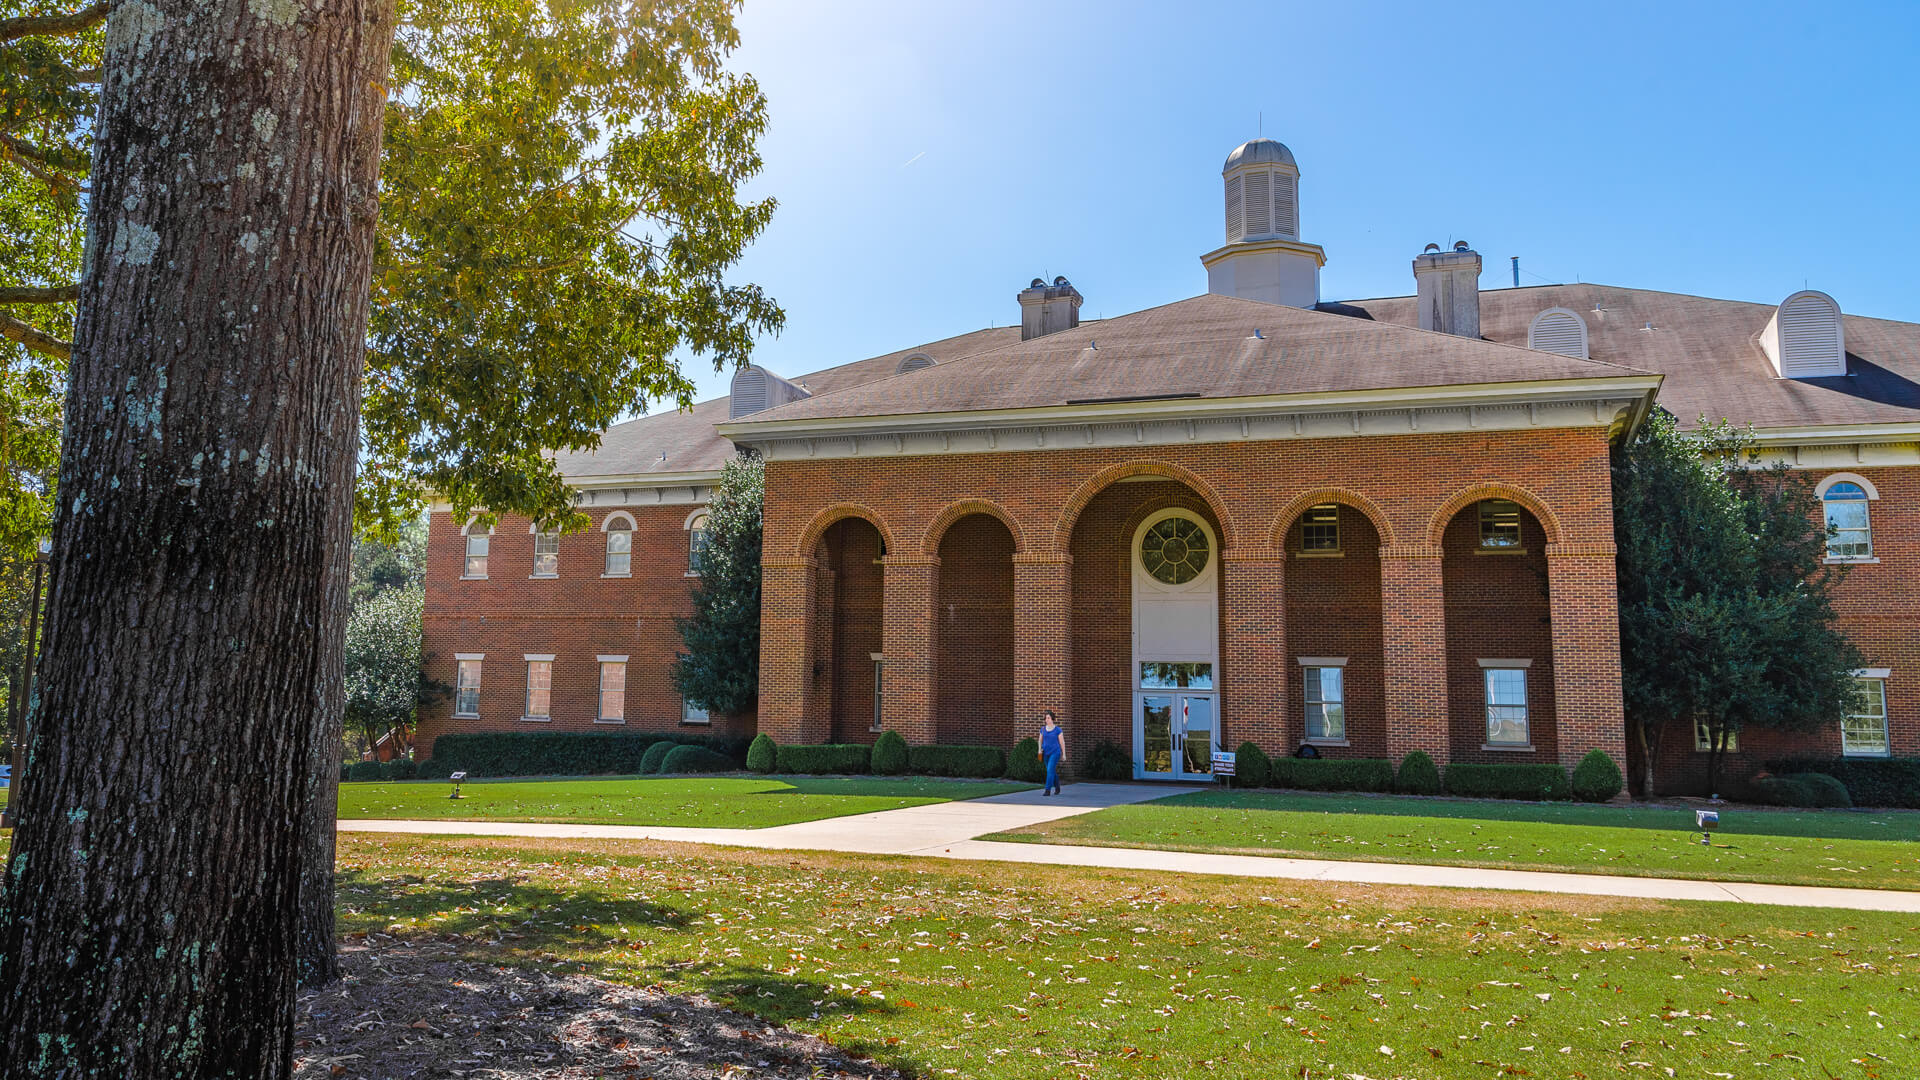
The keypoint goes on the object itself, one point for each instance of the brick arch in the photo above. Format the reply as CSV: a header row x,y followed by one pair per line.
x,y
1277,533
828,516
1107,477
1549,521
944,520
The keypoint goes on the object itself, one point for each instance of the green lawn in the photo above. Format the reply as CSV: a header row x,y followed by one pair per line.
x,y
998,971
709,802
1878,849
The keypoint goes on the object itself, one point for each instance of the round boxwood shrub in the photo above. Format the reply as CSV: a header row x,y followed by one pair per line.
x,y
656,756
695,759
1108,761
1418,775
1598,779
762,754
1783,791
1826,791
1251,766
1023,763
889,754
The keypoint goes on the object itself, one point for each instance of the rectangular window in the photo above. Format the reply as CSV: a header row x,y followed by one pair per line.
x,y
1863,732
696,544
1849,534
1321,529
539,688
879,677
693,714
477,544
613,690
466,693
1703,739
619,553
546,554
1499,525
1164,675
1506,706
1326,703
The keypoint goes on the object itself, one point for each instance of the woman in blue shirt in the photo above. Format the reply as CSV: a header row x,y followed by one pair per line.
x,y
1053,746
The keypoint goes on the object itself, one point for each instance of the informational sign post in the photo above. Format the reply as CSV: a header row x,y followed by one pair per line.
x,y
1222,763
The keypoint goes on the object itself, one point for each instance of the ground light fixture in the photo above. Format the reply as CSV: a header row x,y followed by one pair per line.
x,y
456,778
1706,821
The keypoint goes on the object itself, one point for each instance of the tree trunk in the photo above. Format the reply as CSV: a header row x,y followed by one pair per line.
x,y
1646,759
317,964
150,920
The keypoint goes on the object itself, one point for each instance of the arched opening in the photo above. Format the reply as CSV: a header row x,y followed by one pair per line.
x,y
1336,666
1499,634
973,634
848,626
1146,625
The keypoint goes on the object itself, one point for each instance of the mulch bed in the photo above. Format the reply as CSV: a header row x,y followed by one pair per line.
x,y
422,1009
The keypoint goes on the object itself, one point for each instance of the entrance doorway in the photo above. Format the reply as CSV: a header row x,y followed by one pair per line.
x,y
1176,733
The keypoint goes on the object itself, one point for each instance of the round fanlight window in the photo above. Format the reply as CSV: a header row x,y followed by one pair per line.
x,y
1175,550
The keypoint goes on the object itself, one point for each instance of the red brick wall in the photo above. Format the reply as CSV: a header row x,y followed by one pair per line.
x,y
973,669
852,551
576,616
1497,608
1333,609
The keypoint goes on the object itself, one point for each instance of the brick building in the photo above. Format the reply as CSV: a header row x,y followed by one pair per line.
x,y
1370,526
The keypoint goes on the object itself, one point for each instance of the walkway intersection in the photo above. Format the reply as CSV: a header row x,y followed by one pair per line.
x,y
947,831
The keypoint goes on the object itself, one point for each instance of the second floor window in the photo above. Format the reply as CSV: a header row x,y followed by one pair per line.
x,y
1499,525
696,543
476,565
1849,532
1321,530
546,554
619,552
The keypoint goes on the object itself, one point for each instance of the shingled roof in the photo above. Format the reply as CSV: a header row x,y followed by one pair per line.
x,y
1709,352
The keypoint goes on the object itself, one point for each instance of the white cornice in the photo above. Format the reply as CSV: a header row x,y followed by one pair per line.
x,y
1841,433
1265,243
1613,402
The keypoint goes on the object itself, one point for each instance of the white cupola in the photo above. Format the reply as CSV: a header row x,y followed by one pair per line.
x,y
1263,258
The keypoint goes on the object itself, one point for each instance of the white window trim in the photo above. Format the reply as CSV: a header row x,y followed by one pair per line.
x,y
1827,482
536,533
879,694
1873,495
1505,665
686,717
1880,675
478,658
1325,662
607,526
699,514
526,688
466,533
600,696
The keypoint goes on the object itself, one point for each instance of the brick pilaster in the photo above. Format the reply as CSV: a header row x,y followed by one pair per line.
x,y
1588,709
1253,650
1042,638
1414,635
787,599
906,699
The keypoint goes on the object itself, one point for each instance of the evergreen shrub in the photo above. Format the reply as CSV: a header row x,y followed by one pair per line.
x,y
1530,781
943,760
820,759
1333,774
1418,775
1108,761
1597,778
762,754
889,754
1252,767
696,759
1024,764
1869,781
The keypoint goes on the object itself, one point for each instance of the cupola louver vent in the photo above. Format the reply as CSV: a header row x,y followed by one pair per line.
x,y
755,389
1557,330
1804,338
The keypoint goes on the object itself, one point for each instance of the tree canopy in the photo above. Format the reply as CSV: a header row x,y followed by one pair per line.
x,y
1726,609
720,669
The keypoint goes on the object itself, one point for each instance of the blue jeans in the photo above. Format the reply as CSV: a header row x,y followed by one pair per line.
x,y
1053,772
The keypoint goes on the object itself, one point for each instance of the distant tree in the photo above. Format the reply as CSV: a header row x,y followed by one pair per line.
x,y
1726,615
720,669
386,684
399,562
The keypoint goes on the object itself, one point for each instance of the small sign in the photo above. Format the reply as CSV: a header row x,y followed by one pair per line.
x,y
1222,764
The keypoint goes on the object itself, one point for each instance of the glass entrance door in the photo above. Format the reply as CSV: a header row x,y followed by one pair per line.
x,y
1177,735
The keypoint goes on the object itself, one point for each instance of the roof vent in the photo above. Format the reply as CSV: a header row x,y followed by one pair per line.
x,y
755,389
914,362
1046,309
1804,339
1447,285
1558,330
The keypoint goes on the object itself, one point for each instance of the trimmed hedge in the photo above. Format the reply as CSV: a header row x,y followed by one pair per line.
x,y
1251,766
397,769
1418,775
1333,774
762,754
697,759
1869,781
1509,781
824,758
1791,791
1597,778
557,753
1107,761
1023,763
656,756
939,760
889,754
1828,791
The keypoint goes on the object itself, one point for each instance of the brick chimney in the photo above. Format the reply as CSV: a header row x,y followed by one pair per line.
x,y
1046,308
1448,286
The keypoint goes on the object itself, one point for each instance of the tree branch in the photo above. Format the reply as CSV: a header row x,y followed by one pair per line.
x,y
35,339
38,163
55,25
39,294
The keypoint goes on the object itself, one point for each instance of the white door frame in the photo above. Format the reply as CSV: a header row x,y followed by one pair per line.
x,y
1153,601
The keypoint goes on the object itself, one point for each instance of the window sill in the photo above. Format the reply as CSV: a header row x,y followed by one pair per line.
x,y
466,716
1334,554
543,577
691,573
696,723
616,575
473,577
609,720
1516,748
1867,754
537,719
1328,742
1851,560
1500,551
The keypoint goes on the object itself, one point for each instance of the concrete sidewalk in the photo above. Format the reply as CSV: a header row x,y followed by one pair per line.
x,y
947,831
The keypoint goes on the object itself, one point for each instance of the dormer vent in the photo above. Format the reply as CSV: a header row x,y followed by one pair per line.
x,y
1047,309
1558,330
914,362
1804,338
755,389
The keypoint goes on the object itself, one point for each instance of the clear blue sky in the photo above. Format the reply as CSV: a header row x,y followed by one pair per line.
x,y
930,159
